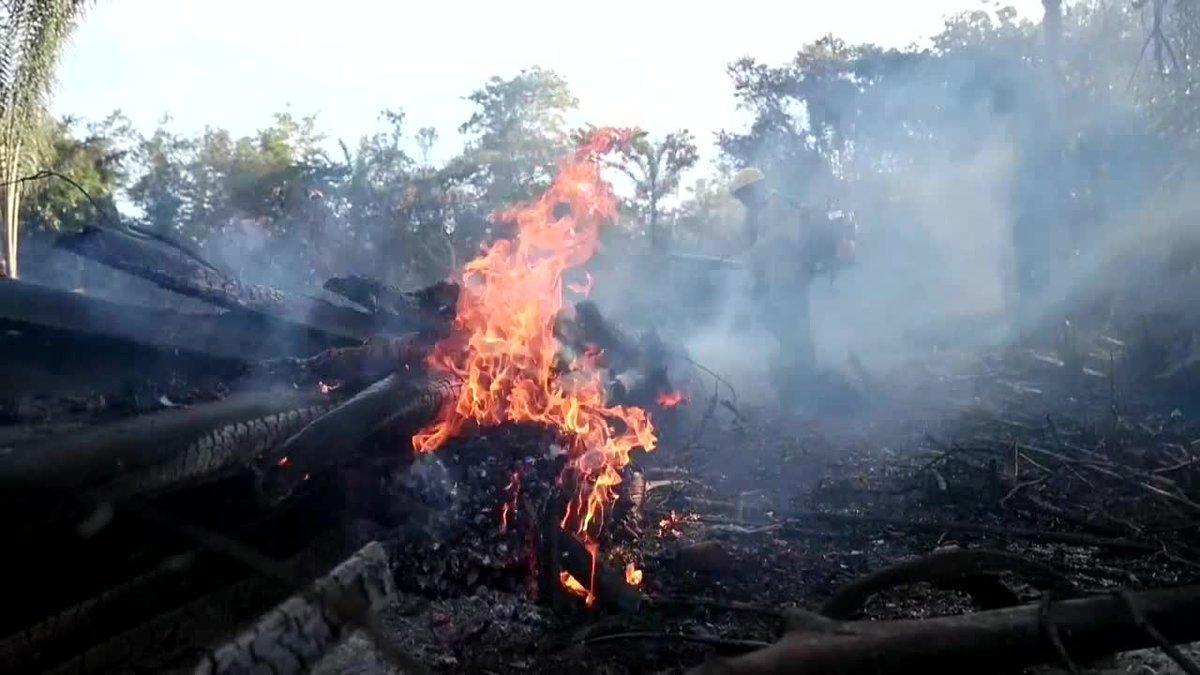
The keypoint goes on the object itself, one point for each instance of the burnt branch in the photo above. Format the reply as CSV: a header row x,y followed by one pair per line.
x,y
1002,639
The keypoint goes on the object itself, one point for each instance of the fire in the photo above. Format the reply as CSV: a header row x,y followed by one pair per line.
x,y
575,588
671,525
585,288
633,576
513,490
670,399
504,350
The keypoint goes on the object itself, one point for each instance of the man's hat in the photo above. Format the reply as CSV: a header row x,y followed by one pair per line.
x,y
745,178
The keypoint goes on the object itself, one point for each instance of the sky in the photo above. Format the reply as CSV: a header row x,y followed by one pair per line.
x,y
657,64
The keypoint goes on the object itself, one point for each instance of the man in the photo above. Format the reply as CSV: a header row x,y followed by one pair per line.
x,y
788,246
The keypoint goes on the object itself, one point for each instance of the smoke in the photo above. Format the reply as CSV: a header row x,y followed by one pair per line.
x,y
994,199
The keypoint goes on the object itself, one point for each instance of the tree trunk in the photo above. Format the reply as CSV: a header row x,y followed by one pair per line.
x,y
12,210
1052,29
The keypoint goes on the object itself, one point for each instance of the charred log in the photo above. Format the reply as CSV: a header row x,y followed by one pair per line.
x,y
593,329
437,301
402,403
368,362
226,336
225,448
296,633
159,449
1002,639
610,587
170,268
142,594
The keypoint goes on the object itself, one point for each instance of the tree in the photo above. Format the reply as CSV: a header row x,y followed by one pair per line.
x,y
426,138
32,34
655,167
95,158
519,133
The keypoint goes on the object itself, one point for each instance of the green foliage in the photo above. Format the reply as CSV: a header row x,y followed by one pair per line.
x,y
32,33
96,157
656,167
518,133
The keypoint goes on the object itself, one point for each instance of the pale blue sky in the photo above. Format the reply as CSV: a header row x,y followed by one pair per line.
x,y
658,64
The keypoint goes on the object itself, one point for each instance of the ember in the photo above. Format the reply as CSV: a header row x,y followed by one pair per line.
x,y
575,588
670,399
513,490
585,288
633,576
504,349
670,526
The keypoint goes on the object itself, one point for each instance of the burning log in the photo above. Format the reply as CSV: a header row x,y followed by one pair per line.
x,y
174,270
226,336
160,449
637,372
296,633
607,584
397,401
593,329
1002,639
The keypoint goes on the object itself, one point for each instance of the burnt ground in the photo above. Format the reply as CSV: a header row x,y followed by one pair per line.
x,y
736,524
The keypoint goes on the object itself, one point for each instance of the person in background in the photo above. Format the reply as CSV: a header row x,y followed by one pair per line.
x,y
787,246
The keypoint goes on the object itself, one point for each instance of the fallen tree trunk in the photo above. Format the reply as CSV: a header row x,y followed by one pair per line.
x,y
399,401
172,269
225,335
296,633
367,362
993,640
155,450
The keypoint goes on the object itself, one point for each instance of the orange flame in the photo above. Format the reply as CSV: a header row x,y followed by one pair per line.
x,y
504,350
513,490
671,525
575,588
633,576
585,288
670,399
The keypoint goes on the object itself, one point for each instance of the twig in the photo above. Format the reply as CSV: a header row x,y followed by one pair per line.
x,y
707,603
1176,467
1139,618
732,392
709,411
1013,532
1183,501
680,637
1022,486
106,216
1050,630
1037,464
